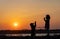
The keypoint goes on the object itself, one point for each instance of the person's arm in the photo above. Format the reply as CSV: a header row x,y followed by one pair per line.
x,y
44,19
35,23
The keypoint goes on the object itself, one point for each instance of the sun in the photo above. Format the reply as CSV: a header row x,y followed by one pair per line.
x,y
15,24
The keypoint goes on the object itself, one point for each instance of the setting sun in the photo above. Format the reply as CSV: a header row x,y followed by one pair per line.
x,y
15,24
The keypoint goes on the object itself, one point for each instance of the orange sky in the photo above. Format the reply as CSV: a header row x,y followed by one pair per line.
x,y
26,11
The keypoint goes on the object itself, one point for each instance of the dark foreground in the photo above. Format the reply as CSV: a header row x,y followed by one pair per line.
x,y
28,37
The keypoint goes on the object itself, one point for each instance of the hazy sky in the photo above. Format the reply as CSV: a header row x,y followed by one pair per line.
x,y
26,11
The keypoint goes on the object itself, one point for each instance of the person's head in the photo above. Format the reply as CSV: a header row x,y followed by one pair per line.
x,y
31,24
47,16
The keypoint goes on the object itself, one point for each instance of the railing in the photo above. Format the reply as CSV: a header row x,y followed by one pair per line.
x,y
26,31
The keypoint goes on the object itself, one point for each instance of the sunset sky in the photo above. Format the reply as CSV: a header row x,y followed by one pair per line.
x,y
23,12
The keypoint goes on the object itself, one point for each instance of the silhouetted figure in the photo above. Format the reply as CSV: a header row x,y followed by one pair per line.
x,y
47,23
33,26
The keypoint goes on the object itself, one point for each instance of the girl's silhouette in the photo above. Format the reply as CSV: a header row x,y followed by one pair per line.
x,y
33,26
